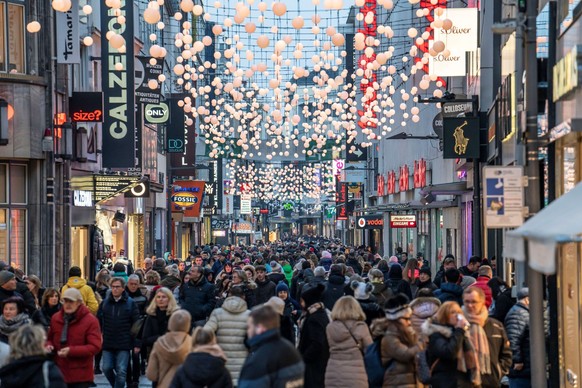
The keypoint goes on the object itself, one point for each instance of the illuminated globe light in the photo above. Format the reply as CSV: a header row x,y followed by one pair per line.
x,y
61,5
412,32
33,27
424,84
161,25
153,84
279,9
439,11
178,16
414,1
438,46
153,61
197,10
447,24
217,29
87,9
186,5
250,27
88,41
437,93
151,16
116,41
263,41
118,66
153,37
419,13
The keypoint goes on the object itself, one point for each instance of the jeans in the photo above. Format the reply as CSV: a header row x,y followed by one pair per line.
x,y
133,368
518,382
115,367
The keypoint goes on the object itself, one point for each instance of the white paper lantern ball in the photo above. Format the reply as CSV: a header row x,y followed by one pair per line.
x,y
33,27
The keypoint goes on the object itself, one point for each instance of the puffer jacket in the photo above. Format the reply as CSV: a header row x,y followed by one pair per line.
x,y
482,284
334,289
422,309
230,325
517,327
86,292
345,367
198,298
450,292
167,355
116,319
397,355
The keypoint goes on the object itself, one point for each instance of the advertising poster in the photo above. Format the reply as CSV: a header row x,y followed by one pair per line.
x,y
503,196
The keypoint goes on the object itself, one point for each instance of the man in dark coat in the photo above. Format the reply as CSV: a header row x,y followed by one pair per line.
x,y
9,287
450,290
334,286
265,287
134,292
313,344
448,263
424,280
517,327
272,361
472,267
198,295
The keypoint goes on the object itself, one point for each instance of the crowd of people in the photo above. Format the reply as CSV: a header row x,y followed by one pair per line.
x,y
298,313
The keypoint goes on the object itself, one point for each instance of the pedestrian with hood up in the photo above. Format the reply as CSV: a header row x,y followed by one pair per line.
x,y
347,335
313,344
334,286
450,289
76,281
170,350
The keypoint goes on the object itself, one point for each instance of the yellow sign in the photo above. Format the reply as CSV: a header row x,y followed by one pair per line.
x,y
460,140
566,74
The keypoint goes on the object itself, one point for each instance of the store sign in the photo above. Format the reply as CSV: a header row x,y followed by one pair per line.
x,y
338,166
404,178
219,233
391,183
356,153
504,196
242,228
118,89
219,224
341,200
187,197
381,183
108,186
456,109
157,113
419,174
454,65
402,221
246,204
463,35
86,107
567,73
67,36
146,72
82,198
370,222
461,138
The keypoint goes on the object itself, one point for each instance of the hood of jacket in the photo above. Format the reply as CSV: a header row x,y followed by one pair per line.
x,y
288,271
234,305
425,307
21,371
76,282
336,279
174,347
204,368
429,327
452,288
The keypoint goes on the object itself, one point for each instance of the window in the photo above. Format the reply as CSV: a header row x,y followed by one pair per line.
x,y
13,214
18,184
12,50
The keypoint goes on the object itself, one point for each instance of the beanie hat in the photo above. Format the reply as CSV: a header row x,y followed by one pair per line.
x,y
159,264
319,271
180,321
336,269
312,294
73,271
277,304
5,277
361,290
467,281
523,293
397,307
282,286
276,267
425,270
326,255
376,276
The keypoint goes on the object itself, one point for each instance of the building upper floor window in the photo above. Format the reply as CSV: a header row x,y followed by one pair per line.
x,y
12,30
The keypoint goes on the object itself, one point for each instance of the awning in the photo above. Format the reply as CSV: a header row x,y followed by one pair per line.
x,y
555,224
453,188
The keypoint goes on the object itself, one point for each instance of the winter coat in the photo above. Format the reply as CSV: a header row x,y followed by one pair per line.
x,y
345,367
355,264
277,277
154,327
326,263
422,309
116,319
450,292
297,283
399,357
288,271
168,353
86,292
249,290
204,368
28,372
43,315
482,284
139,298
9,326
500,353
517,327
334,289
264,291
501,305
198,298
5,294
426,285
26,295
314,348
83,340
230,325
372,310
272,362
444,345
399,286
382,293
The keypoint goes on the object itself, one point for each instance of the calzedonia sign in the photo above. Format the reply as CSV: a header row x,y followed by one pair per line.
x,y
403,221
118,89
370,222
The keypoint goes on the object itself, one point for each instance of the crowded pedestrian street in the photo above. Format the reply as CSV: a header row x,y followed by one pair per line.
x,y
290,193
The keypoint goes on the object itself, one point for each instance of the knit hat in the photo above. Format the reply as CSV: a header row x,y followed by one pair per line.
x,y
397,307
467,281
336,269
362,291
326,255
5,277
376,276
276,267
312,294
425,270
319,271
277,304
72,294
180,321
523,293
282,286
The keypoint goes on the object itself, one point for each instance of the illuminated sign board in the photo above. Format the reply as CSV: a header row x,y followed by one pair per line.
x,y
402,221
370,222
86,107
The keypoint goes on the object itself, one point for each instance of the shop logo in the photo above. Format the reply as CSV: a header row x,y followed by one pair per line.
x,y
185,199
361,222
157,113
461,141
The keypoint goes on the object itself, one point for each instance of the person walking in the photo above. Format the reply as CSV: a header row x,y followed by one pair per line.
x,y
170,350
9,288
229,323
396,283
205,366
36,289
380,291
313,344
197,296
76,281
450,290
272,362
265,287
334,286
347,336
489,338
158,314
13,317
29,365
74,337
517,327
485,275
424,281
423,308
50,305
134,292
117,314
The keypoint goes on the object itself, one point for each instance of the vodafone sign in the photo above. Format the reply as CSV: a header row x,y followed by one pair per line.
x,y
403,221
370,222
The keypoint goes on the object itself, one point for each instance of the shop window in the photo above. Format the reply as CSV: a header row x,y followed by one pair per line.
x,y
18,184
3,183
17,238
12,50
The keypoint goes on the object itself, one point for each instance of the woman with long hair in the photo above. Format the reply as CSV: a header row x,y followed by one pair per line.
x,y
51,304
36,289
347,336
240,279
102,282
450,352
158,314
13,317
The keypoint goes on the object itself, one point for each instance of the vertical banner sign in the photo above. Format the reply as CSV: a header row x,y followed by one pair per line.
x,y
341,200
118,90
68,42
146,72
175,132
137,168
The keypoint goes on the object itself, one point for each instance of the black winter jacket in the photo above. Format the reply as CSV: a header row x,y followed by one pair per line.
x,y
372,310
399,286
28,372
517,327
154,327
334,289
273,362
198,299
116,319
139,299
43,315
503,303
450,292
202,370
314,348
25,295
264,291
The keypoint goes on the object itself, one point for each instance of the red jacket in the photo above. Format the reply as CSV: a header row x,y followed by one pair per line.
x,y
482,284
84,340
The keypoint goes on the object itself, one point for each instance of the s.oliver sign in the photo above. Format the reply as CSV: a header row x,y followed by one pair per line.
x,y
403,220
370,222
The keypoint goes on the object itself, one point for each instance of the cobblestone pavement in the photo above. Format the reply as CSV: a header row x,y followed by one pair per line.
x,y
102,382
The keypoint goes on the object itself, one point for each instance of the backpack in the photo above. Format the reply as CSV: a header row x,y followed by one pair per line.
x,y
373,363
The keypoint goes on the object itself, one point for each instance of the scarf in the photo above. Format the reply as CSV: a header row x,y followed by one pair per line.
x,y
310,311
67,318
479,339
9,326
